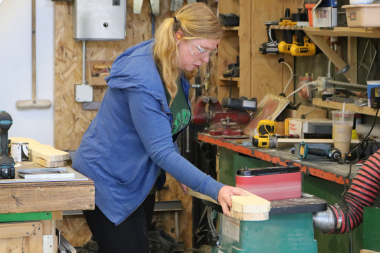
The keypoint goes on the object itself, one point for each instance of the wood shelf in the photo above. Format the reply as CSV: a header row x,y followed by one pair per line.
x,y
233,28
335,31
345,32
349,107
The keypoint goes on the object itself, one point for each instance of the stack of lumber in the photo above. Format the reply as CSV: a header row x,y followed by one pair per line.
x,y
44,155
246,208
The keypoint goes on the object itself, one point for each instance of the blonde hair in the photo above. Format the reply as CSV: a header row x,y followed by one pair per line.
x,y
197,21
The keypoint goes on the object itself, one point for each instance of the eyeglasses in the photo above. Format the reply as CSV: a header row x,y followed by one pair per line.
x,y
207,53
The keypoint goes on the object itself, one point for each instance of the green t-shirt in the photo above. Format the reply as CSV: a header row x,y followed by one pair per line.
x,y
180,110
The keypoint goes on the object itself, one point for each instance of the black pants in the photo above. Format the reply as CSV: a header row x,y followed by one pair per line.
x,y
130,236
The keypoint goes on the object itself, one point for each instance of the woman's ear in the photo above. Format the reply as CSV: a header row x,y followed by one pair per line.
x,y
179,35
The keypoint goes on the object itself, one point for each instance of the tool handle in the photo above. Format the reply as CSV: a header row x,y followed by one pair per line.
x,y
317,152
100,67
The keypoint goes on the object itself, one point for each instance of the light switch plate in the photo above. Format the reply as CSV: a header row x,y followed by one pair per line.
x,y
83,93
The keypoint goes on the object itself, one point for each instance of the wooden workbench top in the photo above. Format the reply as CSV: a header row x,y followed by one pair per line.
x,y
18,197
333,171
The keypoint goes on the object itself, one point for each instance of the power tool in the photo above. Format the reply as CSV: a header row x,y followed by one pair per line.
x,y
7,163
265,139
333,154
287,35
270,47
266,126
223,122
285,45
301,45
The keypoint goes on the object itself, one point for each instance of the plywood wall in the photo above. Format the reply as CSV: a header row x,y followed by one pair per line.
x,y
71,121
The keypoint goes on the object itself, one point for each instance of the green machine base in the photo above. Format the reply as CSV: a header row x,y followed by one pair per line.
x,y
290,233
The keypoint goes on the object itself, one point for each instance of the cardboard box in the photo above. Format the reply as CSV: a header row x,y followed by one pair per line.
x,y
325,17
301,126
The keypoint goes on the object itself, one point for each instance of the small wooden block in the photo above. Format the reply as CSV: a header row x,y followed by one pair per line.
x,y
49,164
249,208
249,216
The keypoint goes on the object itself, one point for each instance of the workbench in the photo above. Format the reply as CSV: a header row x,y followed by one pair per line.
x,y
323,180
28,210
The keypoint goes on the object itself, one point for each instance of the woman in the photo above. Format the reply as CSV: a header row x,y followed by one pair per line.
x,y
133,135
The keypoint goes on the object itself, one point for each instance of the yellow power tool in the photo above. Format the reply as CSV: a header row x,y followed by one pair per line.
x,y
265,128
301,45
264,141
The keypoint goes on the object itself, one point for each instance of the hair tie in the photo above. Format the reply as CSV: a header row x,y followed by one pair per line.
x,y
175,19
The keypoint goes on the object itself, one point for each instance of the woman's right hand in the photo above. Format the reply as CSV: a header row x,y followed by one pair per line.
x,y
224,197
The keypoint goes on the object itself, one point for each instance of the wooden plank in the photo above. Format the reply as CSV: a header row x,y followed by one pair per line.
x,y
352,58
229,6
329,52
48,196
349,107
35,240
14,245
17,229
266,72
57,215
51,164
345,32
45,152
228,49
245,48
48,227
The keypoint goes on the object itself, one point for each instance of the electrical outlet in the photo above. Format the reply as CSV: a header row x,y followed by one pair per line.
x,y
83,93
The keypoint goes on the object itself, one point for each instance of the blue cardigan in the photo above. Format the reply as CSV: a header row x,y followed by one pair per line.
x,y
130,138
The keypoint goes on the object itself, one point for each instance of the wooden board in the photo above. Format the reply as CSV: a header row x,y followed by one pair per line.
x,y
349,107
266,72
51,164
17,229
269,108
48,196
21,237
245,47
39,150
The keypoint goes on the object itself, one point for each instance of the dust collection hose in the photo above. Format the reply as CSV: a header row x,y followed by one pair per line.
x,y
340,219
